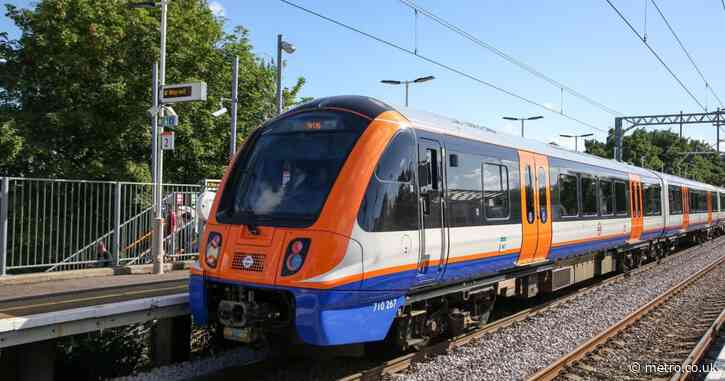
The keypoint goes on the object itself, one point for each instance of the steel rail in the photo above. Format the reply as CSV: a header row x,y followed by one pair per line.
x,y
553,370
694,358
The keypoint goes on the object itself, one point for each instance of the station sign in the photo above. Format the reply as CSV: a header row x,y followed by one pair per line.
x,y
167,140
184,92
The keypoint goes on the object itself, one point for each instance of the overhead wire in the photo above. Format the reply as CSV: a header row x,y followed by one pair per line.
x,y
644,41
440,64
684,49
508,57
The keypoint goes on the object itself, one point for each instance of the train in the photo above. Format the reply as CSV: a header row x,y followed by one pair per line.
x,y
348,221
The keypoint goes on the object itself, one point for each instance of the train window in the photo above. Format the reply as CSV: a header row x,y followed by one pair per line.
x,y
568,195
589,196
675,197
496,191
396,163
620,198
465,190
722,202
606,197
529,184
390,202
698,201
543,199
652,200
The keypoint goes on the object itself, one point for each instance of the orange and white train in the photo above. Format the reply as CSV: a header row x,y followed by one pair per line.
x,y
347,221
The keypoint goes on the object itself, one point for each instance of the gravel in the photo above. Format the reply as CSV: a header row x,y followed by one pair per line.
x,y
526,347
653,346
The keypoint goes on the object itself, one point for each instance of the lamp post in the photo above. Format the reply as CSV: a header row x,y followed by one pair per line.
x,y
407,84
522,121
576,139
288,48
157,156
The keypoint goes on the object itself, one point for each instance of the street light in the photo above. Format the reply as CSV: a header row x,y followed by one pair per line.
x,y
157,246
289,49
522,121
407,84
576,139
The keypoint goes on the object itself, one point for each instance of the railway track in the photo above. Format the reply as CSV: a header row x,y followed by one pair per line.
x,y
404,363
667,337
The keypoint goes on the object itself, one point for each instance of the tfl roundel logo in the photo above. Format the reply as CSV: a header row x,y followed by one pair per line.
x,y
248,261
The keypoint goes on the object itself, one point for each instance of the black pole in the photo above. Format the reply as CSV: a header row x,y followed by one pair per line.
x,y
618,139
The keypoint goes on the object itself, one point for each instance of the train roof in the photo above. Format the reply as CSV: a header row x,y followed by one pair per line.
x,y
372,108
453,127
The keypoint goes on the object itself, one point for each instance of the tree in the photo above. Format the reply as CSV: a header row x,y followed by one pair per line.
x,y
666,151
79,77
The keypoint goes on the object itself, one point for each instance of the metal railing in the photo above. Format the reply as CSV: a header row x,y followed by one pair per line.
x,y
54,225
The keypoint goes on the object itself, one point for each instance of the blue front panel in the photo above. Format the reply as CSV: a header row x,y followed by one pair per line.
x,y
198,300
585,247
324,318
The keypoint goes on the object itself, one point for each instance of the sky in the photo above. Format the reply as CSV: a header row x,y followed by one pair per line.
x,y
581,44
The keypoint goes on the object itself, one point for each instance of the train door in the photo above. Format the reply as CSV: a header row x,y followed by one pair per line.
x,y
635,205
535,208
685,208
709,208
433,237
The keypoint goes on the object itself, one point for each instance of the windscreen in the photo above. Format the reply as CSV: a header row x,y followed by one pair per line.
x,y
286,176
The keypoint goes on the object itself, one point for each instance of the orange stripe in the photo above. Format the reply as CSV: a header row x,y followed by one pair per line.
x,y
397,269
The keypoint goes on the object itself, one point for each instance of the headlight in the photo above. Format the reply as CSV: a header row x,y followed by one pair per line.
x,y
213,246
295,256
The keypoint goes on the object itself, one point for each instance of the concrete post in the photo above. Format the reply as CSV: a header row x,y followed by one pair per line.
x,y
4,208
278,95
171,340
116,252
235,103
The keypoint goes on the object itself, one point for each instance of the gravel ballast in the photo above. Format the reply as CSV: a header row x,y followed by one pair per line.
x,y
520,350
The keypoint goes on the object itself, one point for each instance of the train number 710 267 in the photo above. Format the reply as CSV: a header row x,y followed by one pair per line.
x,y
385,305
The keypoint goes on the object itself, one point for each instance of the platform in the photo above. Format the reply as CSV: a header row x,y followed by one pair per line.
x,y
54,308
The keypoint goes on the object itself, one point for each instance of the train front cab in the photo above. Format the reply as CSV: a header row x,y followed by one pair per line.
x,y
278,253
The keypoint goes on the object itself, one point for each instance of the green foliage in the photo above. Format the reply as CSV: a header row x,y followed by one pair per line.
x,y
114,352
665,151
76,86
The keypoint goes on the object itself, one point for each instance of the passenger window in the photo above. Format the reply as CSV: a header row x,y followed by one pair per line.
x,y
396,162
620,195
589,196
652,200
568,195
722,202
606,197
543,200
465,190
528,178
496,191
675,197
